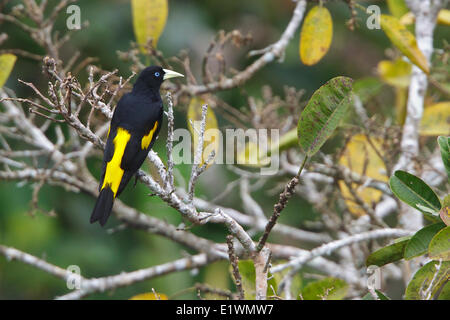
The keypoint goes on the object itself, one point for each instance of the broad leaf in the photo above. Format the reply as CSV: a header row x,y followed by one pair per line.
x,y
361,158
256,156
380,295
418,245
325,289
404,41
7,62
422,280
287,140
149,19
401,97
367,88
445,292
444,17
149,296
414,192
440,245
388,254
316,35
397,7
323,113
216,276
446,201
296,283
445,215
252,155
211,139
407,19
395,73
436,120
444,145
247,271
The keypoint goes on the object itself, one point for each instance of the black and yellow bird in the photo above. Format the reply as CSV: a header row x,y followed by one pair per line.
x,y
133,130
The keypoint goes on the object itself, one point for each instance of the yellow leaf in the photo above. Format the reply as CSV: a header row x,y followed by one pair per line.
x,y
407,19
444,17
404,41
397,73
445,215
255,155
149,19
436,120
149,296
7,62
252,156
401,96
359,154
316,35
211,140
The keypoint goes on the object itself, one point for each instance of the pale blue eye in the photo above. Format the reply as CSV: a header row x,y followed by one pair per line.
x,y
156,74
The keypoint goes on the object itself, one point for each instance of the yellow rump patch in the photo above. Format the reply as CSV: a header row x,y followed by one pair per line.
x,y
114,172
148,138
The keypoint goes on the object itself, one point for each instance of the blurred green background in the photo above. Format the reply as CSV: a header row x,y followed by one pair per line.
x,y
69,239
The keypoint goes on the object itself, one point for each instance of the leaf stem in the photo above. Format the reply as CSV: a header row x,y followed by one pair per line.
x,y
302,166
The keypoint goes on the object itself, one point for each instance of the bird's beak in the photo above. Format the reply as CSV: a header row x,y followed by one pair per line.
x,y
171,74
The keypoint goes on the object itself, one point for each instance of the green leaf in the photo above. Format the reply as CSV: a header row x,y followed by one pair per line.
x,y
216,276
388,254
419,242
380,295
247,271
439,247
423,277
327,106
367,88
287,140
7,62
445,292
414,192
444,145
397,7
327,289
296,283
446,201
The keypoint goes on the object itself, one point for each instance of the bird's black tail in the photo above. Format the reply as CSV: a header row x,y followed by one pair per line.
x,y
103,206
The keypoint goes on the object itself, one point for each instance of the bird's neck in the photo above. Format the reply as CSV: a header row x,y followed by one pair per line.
x,y
140,88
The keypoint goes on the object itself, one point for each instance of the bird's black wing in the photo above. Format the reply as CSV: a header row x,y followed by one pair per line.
x,y
144,128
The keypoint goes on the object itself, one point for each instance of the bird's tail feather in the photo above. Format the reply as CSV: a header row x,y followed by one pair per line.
x,y
103,206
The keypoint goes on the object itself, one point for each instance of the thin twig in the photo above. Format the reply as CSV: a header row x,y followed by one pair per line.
x,y
234,264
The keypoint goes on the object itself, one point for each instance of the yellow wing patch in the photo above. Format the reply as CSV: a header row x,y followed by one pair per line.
x,y
145,142
114,172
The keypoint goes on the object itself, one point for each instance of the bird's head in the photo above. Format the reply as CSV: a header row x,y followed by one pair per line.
x,y
153,76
